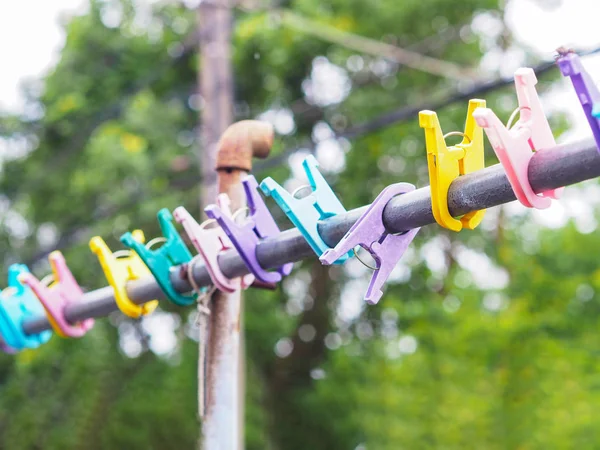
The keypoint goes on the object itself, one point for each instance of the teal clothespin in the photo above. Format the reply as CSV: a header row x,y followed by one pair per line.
x,y
306,212
172,253
18,303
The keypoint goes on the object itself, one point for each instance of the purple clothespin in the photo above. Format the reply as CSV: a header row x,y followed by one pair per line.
x,y
370,233
587,92
245,237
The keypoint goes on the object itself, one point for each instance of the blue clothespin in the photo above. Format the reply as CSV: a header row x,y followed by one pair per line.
x,y
18,303
306,212
160,261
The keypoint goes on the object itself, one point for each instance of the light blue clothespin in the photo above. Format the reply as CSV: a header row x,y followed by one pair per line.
x,y
18,303
306,212
160,261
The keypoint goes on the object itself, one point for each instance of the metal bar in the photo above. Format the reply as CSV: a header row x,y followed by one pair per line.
x,y
563,165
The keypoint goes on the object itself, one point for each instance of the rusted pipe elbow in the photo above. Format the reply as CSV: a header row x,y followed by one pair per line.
x,y
242,141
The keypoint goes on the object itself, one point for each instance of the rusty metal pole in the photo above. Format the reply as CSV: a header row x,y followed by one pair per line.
x,y
223,420
220,425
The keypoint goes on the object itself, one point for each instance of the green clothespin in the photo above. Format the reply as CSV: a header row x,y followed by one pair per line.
x,y
172,253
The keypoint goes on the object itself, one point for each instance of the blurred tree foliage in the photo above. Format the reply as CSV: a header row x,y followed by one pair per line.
x,y
485,339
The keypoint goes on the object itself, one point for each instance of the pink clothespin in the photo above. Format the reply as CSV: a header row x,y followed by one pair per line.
x,y
210,243
5,348
62,292
369,232
515,146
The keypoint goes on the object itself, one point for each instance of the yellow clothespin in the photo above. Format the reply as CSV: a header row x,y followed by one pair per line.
x,y
445,164
120,269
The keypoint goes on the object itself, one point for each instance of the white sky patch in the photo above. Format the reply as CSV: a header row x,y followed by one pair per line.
x,y
486,275
331,156
328,84
282,120
352,300
571,23
32,40
432,253
161,326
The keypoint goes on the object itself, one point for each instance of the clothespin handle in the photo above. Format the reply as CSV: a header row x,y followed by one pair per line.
x,y
160,261
259,224
305,213
63,292
17,304
515,147
446,163
210,243
370,233
119,271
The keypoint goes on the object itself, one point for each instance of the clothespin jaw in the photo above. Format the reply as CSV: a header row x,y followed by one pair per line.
x,y
210,243
259,224
171,253
369,232
62,292
515,147
17,304
589,96
305,213
446,163
120,270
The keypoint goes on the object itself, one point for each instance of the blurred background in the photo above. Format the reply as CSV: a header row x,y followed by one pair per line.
x,y
485,339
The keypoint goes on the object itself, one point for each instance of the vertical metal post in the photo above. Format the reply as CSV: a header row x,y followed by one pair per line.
x,y
215,82
223,420
220,426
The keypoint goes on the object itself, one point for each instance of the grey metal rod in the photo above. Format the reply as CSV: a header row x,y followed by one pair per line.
x,y
561,166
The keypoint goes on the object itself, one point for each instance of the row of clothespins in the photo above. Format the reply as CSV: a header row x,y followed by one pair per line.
x,y
26,297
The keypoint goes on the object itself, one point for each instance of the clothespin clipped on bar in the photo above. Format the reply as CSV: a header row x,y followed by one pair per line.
x,y
4,348
306,212
570,66
17,304
515,146
61,293
121,267
369,232
259,224
210,243
445,164
160,261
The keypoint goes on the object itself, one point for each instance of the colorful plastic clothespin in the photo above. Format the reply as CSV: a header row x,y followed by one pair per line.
x,y
445,164
160,261
306,212
570,66
369,232
515,147
119,270
17,304
259,224
61,293
210,243
4,348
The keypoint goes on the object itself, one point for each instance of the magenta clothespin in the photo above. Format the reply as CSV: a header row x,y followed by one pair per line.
x,y
587,92
64,291
210,243
5,348
369,232
515,146
259,224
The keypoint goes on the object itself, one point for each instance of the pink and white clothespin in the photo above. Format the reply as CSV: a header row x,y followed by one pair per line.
x,y
369,232
516,146
210,243
62,292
